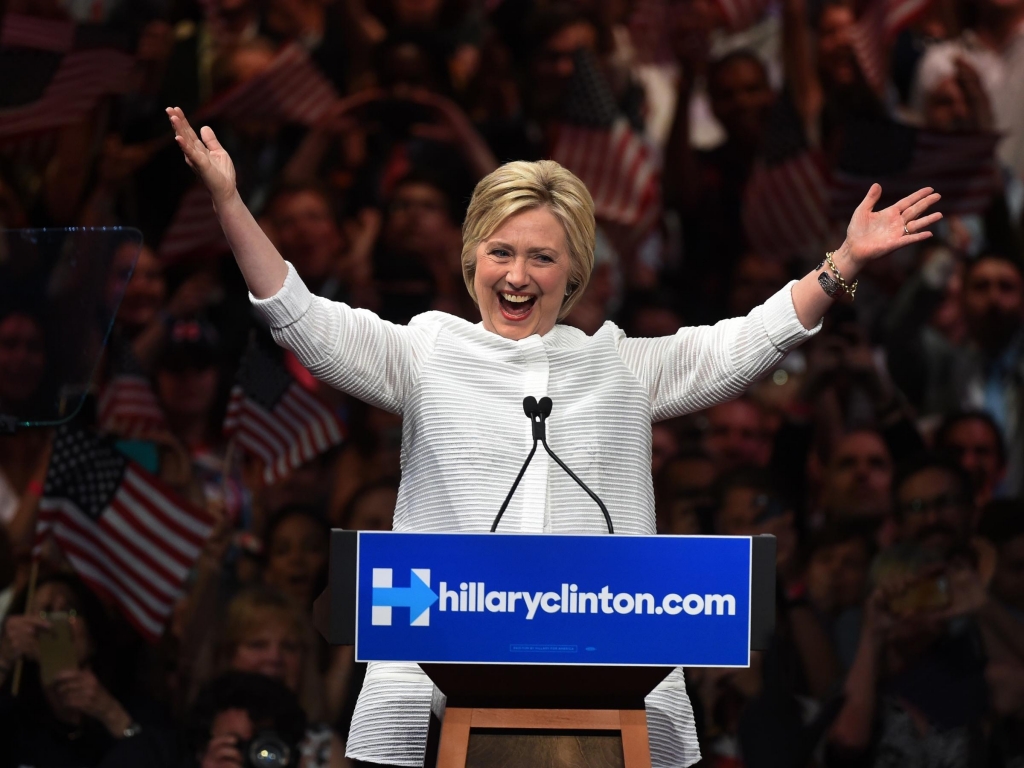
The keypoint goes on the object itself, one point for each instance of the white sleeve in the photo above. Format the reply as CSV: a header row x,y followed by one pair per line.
x,y
350,349
700,367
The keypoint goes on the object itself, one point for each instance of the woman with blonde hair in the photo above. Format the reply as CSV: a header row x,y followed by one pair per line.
x,y
528,251
267,633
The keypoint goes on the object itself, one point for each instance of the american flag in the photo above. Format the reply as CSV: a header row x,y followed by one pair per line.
x,y
595,142
292,90
272,417
785,201
127,535
876,28
24,31
81,80
194,229
741,14
127,404
961,166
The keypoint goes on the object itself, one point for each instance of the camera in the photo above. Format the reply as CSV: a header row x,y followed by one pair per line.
x,y
268,750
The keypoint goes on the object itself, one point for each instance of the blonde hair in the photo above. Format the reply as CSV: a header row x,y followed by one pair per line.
x,y
522,186
249,611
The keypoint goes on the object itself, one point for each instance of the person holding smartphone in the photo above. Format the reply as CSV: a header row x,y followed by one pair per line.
x,y
65,712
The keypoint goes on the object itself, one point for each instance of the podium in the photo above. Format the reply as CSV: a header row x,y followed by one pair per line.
x,y
546,646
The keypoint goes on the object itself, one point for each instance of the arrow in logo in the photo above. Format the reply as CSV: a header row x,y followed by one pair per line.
x,y
417,597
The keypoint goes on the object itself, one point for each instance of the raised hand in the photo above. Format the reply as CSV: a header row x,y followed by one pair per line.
x,y
20,637
80,691
222,752
874,233
205,156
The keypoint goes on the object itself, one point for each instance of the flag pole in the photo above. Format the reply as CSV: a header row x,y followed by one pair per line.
x,y
33,576
229,462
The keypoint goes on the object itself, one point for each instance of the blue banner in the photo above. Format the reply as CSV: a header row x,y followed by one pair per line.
x,y
512,599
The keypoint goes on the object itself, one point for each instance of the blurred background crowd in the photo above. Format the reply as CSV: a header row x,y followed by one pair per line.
x,y
725,142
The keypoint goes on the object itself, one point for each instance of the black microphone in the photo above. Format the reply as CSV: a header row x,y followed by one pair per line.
x,y
537,412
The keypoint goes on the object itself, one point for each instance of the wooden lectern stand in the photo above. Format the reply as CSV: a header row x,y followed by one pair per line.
x,y
525,715
536,713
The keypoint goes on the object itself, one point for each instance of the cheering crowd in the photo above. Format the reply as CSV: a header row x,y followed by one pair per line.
x,y
176,529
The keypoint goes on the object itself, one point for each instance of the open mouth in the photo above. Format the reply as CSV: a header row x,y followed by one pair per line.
x,y
516,306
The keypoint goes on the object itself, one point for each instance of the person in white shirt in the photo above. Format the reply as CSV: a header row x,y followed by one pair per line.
x,y
993,49
528,251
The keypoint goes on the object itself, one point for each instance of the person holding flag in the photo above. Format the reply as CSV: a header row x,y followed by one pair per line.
x,y
527,256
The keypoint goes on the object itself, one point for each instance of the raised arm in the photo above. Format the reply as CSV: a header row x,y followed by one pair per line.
x,y
699,367
797,60
262,266
870,235
350,349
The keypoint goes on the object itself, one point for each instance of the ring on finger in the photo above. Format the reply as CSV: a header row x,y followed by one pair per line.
x,y
905,230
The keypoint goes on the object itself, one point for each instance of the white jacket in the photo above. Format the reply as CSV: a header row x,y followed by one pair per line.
x,y
460,390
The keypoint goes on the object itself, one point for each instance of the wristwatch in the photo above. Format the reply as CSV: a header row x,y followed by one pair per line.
x,y
828,284
132,729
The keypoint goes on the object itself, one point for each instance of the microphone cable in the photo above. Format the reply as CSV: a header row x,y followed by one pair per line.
x,y
537,412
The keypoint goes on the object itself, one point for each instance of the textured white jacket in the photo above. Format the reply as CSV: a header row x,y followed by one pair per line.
x,y
460,390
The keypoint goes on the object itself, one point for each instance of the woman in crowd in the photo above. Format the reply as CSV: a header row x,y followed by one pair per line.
x,y
528,251
76,717
265,632
295,553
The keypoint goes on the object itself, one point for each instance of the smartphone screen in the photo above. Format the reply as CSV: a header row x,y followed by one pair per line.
x,y
923,596
56,648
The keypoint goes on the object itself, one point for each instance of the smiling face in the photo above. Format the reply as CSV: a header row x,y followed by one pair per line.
x,y
307,233
522,271
296,558
144,287
741,98
273,648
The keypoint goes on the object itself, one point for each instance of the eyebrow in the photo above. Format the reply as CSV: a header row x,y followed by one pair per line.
x,y
507,246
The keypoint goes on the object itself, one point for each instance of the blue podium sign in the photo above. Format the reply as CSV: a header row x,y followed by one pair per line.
x,y
551,599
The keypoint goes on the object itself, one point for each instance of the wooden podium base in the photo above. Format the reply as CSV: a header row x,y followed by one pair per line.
x,y
513,738
525,716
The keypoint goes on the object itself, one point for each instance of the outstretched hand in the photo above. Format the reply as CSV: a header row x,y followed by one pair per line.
x,y
874,233
205,156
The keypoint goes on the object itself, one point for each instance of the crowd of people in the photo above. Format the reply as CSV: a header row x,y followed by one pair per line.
x,y
886,455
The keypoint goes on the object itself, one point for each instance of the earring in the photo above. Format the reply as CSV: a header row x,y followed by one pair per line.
x,y
568,290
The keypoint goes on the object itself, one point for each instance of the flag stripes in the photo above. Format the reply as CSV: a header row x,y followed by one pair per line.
x,y
194,230
874,31
127,404
962,166
81,80
295,431
616,166
23,31
291,89
785,208
126,534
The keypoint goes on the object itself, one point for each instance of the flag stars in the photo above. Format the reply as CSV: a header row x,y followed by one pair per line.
x,y
85,469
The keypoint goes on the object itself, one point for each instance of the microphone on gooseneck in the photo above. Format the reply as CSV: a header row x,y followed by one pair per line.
x,y
537,412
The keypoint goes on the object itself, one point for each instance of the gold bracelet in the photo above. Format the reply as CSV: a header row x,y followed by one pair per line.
x,y
849,290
